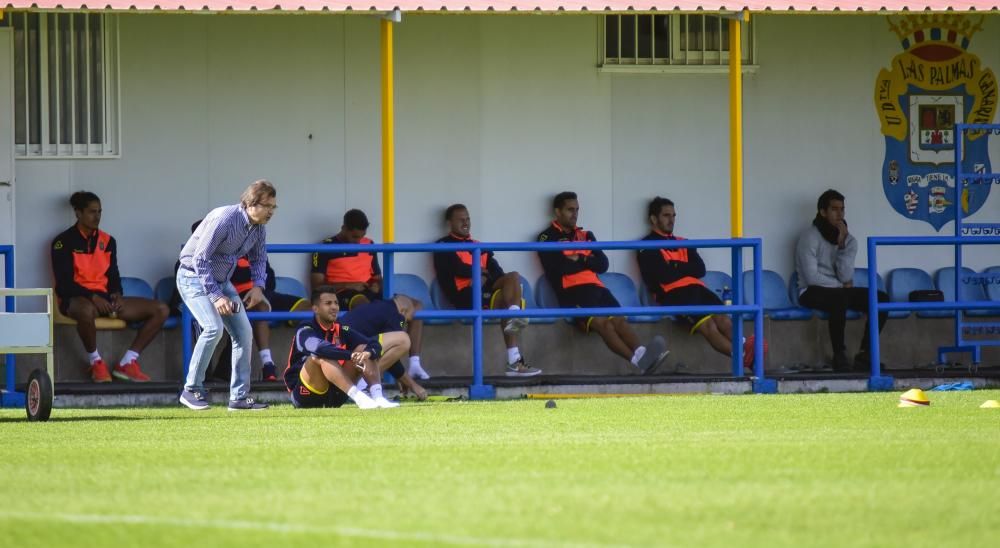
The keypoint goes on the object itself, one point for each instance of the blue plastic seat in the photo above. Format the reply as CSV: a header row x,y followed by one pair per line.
x,y
415,287
777,305
290,286
625,292
968,290
136,287
164,292
545,296
993,287
717,281
902,281
529,301
793,297
861,280
646,298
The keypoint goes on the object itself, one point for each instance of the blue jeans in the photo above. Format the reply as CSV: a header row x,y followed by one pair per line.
x,y
212,323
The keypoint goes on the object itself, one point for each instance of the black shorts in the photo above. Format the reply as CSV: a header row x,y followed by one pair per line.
x,y
347,298
689,295
64,303
303,397
464,299
586,296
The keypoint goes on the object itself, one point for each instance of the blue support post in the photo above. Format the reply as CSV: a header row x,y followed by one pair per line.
x,y
761,384
9,361
876,382
478,390
388,268
737,345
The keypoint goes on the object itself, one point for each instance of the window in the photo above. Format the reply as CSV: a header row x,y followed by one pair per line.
x,y
65,84
670,42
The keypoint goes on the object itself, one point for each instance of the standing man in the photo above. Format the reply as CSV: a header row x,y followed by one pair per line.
x,y
88,284
207,263
673,276
824,260
573,276
499,290
357,278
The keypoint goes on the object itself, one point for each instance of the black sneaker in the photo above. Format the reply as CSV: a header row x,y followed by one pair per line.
x,y
194,399
840,362
246,404
269,372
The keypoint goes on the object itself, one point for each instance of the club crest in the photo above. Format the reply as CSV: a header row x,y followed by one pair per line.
x,y
934,84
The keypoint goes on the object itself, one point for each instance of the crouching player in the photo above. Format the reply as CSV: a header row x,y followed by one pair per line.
x,y
327,358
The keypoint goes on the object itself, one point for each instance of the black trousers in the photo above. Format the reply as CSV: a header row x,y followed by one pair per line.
x,y
836,301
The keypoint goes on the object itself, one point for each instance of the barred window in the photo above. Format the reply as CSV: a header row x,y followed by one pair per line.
x,y
634,42
65,84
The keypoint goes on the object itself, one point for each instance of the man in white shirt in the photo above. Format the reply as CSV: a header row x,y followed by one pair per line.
x,y
824,259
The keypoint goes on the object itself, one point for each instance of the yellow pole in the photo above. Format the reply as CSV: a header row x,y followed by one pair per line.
x,y
736,127
388,149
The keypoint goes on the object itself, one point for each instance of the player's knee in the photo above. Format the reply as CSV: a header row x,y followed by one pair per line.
x,y
161,311
212,332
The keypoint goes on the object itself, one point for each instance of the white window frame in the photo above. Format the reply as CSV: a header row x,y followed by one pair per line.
x,y
710,61
110,147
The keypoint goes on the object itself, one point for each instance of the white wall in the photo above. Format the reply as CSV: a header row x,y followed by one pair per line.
x,y
499,112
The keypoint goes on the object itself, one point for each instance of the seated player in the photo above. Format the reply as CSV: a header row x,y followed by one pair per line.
x,y
387,320
573,276
673,276
499,290
327,358
357,278
88,285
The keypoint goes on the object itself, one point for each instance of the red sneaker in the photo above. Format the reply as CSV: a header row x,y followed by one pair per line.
x,y
748,351
130,372
99,372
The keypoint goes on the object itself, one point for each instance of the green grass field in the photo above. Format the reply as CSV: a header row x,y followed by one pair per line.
x,y
792,470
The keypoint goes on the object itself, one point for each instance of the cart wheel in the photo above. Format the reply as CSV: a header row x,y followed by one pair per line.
x,y
38,397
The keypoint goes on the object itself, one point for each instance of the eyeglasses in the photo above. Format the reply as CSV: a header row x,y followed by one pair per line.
x,y
268,207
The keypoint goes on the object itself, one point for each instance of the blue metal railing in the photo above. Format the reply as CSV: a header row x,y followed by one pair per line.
x,y
7,252
478,390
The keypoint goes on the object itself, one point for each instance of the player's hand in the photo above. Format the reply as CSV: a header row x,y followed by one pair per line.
x,y
102,305
843,233
224,306
375,286
253,297
848,284
574,257
116,302
360,358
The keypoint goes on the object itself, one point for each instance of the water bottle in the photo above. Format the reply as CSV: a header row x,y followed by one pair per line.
x,y
727,296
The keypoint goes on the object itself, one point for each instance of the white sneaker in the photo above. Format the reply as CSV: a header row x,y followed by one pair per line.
x,y
365,401
514,325
384,403
418,372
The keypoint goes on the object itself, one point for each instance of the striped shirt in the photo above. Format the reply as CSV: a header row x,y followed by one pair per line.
x,y
225,235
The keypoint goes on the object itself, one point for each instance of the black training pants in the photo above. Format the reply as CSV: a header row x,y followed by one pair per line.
x,y
836,301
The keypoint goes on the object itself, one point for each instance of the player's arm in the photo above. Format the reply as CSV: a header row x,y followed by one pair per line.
x,y
695,266
307,340
653,268
557,262
355,339
493,267
597,260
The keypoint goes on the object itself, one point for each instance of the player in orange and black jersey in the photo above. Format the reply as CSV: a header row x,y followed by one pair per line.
x,y
573,276
327,358
499,290
673,276
357,278
88,285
